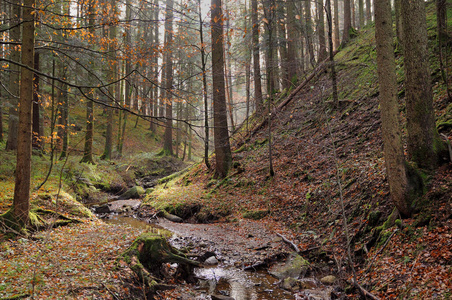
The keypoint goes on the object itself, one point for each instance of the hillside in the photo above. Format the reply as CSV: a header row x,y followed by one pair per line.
x,y
302,201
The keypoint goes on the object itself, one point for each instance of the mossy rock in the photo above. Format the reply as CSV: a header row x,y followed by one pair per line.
x,y
256,214
373,218
133,193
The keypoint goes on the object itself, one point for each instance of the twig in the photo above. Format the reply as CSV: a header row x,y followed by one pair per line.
x,y
111,293
289,242
381,250
365,292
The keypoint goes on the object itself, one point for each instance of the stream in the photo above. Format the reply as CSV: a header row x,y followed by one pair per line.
x,y
223,279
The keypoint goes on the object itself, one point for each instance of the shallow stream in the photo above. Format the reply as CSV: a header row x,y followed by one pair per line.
x,y
222,279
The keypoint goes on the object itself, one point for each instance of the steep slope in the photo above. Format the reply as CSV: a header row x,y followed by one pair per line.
x,y
317,150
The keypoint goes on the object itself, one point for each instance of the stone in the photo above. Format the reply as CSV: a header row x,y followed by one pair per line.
x,y
132,193
211,261
293,267
103,209
330,279
220,297
289,283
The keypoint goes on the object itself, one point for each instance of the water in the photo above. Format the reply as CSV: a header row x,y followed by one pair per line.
x,y
225,280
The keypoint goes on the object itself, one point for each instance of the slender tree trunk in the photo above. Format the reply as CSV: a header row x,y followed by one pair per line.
x,y
393,149
64,119
423,138
292,60
168,140
361,13
352,6
369,12
398,22
331,51
13,121
223,156
441,17
256,60
309,44
321,29
89,135
347,23
204,91
21,203
36,129
336,34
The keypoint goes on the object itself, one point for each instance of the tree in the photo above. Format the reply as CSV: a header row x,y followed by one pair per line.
x,y
292,60
329,18
424,144
396,168
256,59
223,156
321,31
347,22
336,35
89,134
21,203
11,143
168,69
308,33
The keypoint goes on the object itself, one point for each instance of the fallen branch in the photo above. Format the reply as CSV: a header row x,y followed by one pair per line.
x,y
381,250
365,292
289,242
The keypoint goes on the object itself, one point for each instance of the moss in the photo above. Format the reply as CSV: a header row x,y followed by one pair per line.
x,y
373,218
255,214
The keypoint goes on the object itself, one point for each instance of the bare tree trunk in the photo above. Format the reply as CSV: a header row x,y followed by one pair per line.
x,y
21,203
321,29
168,139
398,22
256,60
223,156
89,135
13,121
292,61
37,142
308,35
347,23
369,11
423,139
361,13
393,149
331,51
336,34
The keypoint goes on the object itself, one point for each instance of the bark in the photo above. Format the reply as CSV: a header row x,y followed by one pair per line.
x,y
292,60
308,34
269,12
223,156
168,69
331,52
321,29
89,135
393,149
361,13
21,203
398,22
336,34
38,142
282,46
256,60
369,12
13,121
423,139
347,23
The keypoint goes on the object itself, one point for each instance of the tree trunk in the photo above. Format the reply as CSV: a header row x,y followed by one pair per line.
x,y
309,44
331,52
269,12
13,121
256,60
38,142
89,135
168,69
393,149
292,61
347,23
398,22
336,34
369,12
223,156
423,138
21,203
361,13
321,28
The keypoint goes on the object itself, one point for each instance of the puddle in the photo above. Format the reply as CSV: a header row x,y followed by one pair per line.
x,y
239,284
224,280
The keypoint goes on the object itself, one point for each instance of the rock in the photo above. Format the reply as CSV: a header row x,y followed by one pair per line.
x,y
293,267
289,283
211,261
132,193
330,279
221,297
103,209
168,216
307,283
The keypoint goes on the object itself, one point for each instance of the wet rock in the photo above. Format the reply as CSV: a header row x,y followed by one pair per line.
x,y
168,216
307,283
211,261
103,209
221,297
132,193
289,283
330,279
293,267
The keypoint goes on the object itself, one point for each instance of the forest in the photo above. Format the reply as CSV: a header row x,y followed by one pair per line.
x,y
241,149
